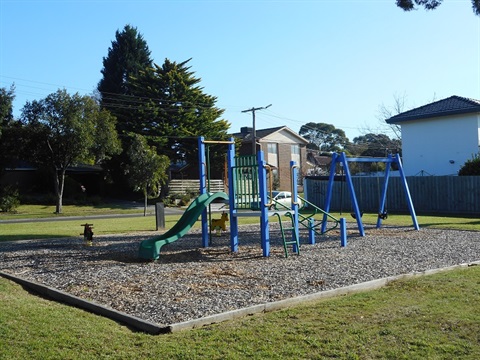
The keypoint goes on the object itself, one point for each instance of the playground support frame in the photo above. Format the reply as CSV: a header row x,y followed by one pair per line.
x,y
202,161
342,159
262,194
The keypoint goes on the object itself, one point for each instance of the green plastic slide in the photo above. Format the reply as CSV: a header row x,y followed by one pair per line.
x,y
150,248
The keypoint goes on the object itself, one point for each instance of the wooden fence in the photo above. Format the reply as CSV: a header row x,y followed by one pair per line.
x,y
453,195
178,186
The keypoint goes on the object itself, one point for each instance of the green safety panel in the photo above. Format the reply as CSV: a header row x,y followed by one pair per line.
x,y
245,182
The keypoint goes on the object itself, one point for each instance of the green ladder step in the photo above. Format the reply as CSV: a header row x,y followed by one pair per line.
x,y
288,242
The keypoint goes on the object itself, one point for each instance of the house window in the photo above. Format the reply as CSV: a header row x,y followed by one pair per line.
x,y
272,154
295,156
272,148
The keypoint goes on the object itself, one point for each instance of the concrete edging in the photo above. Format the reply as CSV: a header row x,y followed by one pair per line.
x,y
63,297
155,329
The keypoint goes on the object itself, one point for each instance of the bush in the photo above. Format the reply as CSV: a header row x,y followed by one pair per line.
x,y
471,167
9,199
180,199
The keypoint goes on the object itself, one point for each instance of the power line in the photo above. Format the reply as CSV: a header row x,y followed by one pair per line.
x,y
133,102
254,135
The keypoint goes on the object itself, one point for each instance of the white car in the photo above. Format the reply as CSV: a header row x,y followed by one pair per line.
x,y
283,200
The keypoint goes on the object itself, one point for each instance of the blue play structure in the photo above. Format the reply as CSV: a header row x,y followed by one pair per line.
x,y
344,161
247,184
247,196
250,183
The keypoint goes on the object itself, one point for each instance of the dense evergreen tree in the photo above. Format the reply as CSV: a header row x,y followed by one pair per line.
x,y
6,106
175,111
10,130
128,55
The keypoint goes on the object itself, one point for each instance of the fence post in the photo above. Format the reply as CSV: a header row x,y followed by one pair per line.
x,y
343,232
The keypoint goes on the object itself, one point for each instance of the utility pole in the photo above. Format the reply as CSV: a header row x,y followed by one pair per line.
x,y
254,136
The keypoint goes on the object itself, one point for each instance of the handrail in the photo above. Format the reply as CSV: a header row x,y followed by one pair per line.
x,y
316,211
293,183
218,142
305,201
304,218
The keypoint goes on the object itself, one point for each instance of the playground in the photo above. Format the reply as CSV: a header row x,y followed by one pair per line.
x,y
250,194
189,282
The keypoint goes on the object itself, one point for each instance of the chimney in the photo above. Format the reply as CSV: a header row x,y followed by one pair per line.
x,y
246,130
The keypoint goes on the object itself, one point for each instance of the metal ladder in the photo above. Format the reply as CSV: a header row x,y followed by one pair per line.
x,y
295,240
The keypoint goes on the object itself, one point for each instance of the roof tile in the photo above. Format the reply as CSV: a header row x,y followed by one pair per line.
x,y
449,106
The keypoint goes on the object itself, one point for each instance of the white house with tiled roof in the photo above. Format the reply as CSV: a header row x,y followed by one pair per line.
x,y
439,137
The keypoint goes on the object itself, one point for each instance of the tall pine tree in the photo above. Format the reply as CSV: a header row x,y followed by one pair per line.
x,y
128,55
175,111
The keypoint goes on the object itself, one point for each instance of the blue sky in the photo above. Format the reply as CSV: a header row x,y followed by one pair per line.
x,y
323,61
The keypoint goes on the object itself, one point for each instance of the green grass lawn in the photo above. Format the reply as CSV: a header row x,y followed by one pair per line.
x,y
47,211
429,317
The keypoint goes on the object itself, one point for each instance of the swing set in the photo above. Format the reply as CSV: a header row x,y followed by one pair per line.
x,y
356,213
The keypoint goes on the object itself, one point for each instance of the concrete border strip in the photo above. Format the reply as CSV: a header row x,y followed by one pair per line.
x,y
155,329
63,297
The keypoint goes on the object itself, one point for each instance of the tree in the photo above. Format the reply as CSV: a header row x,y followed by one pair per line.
x,y
63,130
471,167
12,144
147,171
375,145
9,128
386,112
6,106
175,112
324,137
128,55
409,5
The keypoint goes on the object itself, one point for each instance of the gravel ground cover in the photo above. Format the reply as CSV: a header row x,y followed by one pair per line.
x,y
189,282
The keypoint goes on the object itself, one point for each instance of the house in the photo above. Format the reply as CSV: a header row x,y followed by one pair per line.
x,y
280,145
438,138
318,164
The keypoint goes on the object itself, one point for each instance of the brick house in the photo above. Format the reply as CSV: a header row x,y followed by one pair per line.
x,y
280,145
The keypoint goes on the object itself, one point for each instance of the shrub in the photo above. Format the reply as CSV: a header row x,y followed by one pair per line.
x,y
471,167
9,199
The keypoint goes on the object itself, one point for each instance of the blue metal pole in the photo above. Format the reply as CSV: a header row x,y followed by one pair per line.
x,y
231,196
328,195
311,232
407,193
294,174
343,232
262,182
356,209
203,187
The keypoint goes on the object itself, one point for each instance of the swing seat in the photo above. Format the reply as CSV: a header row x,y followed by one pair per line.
x,y
383,215
355,216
